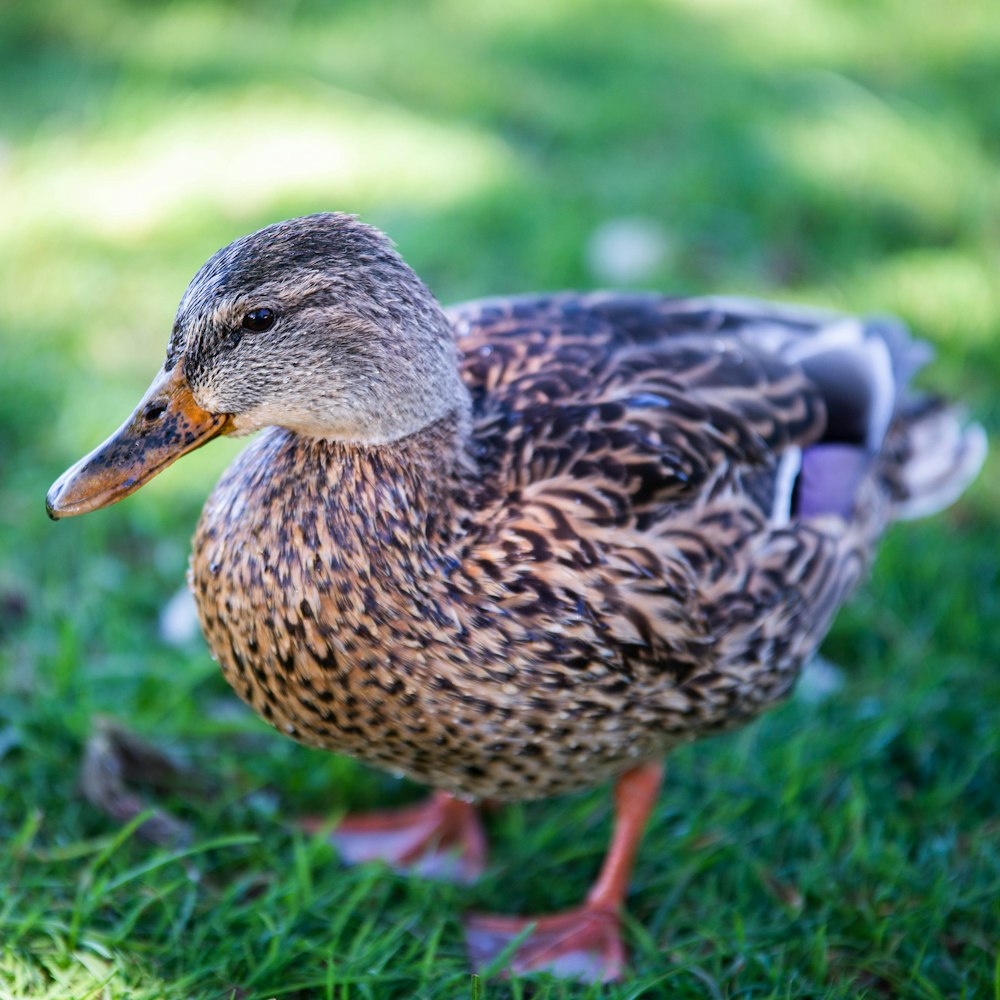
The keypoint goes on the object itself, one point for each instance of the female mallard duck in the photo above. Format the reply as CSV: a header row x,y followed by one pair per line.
x,y
521,547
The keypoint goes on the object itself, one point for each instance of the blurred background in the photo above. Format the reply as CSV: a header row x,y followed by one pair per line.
x,y
836,152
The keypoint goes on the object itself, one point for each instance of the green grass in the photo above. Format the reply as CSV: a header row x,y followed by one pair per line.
x,y
830,151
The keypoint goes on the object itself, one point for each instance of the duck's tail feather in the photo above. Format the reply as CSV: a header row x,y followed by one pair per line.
x,y
936,454
922,451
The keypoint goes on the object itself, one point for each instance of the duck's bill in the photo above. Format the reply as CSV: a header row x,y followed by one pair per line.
x,y
166,424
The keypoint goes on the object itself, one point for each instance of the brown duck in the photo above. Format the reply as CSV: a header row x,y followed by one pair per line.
x,y
526,545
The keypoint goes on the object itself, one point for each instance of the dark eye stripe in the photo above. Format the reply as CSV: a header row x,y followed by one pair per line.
x,y
259,320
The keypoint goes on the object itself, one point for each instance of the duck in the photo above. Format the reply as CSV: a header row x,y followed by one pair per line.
x,y
526,545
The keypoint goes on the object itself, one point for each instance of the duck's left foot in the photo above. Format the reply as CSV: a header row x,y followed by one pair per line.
x,y
441,838
583,944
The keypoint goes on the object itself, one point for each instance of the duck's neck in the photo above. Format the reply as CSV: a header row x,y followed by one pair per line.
x,y
402,497
368,520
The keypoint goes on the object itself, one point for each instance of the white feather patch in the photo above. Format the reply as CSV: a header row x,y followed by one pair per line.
x,y
789,466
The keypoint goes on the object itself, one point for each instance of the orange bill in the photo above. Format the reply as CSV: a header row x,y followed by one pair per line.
x,y
166,424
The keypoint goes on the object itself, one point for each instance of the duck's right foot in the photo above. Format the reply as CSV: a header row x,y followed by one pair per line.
x,y
441,838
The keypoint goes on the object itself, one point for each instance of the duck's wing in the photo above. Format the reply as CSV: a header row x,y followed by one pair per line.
x,y
632,402
685,490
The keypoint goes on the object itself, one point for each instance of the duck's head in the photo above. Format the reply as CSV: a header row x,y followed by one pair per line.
x,y
316,325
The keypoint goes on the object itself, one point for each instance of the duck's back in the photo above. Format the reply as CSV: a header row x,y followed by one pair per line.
x,y
709,475
655,401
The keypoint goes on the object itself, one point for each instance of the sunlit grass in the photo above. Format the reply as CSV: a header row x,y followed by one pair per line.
x,y
887,35
850,142
956,296
237,154
45,969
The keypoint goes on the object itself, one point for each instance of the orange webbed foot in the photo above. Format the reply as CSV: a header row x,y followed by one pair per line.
x,y
584,943
441,838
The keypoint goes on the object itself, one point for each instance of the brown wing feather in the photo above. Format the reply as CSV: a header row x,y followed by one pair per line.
x,y
636,397
633,443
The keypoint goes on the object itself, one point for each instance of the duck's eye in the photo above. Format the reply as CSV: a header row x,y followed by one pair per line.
x,y
259,320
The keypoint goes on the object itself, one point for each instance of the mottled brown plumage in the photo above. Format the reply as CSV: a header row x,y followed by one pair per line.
x,y
590,577
522,547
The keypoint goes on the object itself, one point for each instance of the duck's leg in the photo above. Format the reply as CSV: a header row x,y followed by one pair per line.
x,y
440,838
585,942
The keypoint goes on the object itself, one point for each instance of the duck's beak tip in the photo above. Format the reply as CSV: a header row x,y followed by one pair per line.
x,y
150,440
51,506
89,485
